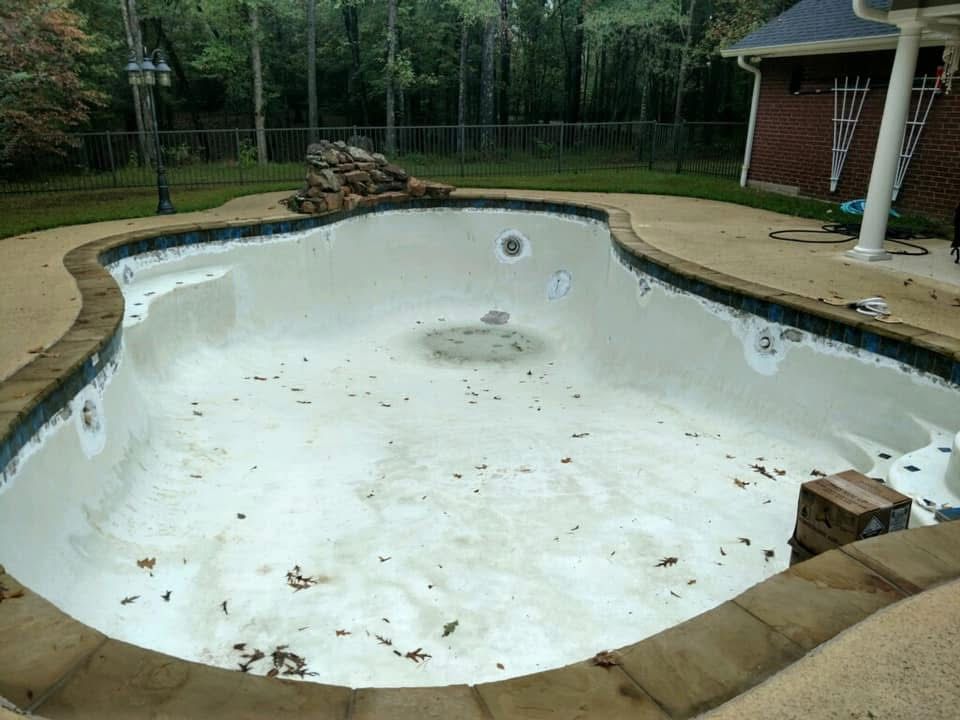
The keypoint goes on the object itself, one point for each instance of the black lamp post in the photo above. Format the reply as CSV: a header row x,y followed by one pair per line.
x,y
154,71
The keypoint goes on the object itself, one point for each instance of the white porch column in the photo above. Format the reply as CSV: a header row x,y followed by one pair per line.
x,y
887,153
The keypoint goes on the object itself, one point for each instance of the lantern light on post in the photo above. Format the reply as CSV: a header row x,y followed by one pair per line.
x,y
153,70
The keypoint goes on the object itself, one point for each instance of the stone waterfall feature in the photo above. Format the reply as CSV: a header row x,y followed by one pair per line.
x,y
342,176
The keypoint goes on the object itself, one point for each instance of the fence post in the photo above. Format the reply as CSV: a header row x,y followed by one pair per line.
x,y
560,148
679,143
236,139
653,142
113,166
463,150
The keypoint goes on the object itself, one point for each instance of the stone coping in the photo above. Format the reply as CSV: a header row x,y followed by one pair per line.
x,y
52,664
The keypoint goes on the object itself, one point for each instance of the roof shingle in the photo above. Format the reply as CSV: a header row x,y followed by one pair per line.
x,y
815,21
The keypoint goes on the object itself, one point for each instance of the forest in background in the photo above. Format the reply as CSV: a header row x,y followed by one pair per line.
x,y
297,63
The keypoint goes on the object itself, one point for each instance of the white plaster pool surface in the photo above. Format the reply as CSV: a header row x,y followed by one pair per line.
x,y
470,468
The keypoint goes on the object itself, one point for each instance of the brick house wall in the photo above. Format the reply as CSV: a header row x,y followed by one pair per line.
x,y
794,135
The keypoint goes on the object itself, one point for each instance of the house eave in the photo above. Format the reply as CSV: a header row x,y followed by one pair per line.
x,y
827,47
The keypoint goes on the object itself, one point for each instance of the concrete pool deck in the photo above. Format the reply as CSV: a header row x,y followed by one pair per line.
x,y
679,673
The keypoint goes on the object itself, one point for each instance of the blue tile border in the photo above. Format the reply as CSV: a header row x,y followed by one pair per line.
x,y
17,437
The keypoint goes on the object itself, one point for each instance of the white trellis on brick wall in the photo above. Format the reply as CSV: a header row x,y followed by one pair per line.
x,y
847,104
925,93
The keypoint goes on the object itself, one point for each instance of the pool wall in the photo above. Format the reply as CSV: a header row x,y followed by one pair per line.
x,y
34,395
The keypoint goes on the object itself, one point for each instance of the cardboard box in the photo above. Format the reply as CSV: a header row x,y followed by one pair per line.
x,y
845,507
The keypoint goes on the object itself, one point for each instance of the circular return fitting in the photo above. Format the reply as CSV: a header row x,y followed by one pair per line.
x,y
511,246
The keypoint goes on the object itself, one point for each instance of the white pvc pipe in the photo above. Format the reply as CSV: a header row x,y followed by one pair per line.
x,y
886,157
752,126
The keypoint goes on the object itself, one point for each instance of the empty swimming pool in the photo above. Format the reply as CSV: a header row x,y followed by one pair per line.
x,y
438,446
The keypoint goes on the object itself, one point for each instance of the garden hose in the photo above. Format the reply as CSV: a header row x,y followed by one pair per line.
x,y
851,231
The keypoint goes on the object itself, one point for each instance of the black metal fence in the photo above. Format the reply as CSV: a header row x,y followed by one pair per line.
x,y
218,157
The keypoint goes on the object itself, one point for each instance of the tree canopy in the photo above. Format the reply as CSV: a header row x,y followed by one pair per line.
x,y
61,61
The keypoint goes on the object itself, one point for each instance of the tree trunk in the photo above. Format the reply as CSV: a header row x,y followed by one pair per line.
x,y
135,44
597,80
313,119
487,80
576,70
258,119
391,59
462,86
356,88
462,80
687,28
504,105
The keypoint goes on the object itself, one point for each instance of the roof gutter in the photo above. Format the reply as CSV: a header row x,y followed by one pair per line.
x,y
752,125
863,11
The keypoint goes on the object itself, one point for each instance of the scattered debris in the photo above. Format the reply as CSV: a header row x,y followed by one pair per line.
x,y
580,435
767,554
250,658
606,658
166,596
417,655
566,460
198,413
289,663
740,483
129,599
147,563
693,435
779,472
383,640
298,581
691,582
674,594
223,606
343,633
574,528
449,627
667,562
817,473
500,666
382,559
745,541
730,457
257,377
241,516
457,476
481,467
722,551
762,470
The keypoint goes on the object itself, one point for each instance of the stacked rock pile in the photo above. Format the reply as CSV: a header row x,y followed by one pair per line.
x,y
341,176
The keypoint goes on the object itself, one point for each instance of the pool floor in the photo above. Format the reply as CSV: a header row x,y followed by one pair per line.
x,y
396,514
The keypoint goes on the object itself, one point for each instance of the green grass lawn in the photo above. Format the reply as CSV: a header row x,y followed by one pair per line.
x,y
25,213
